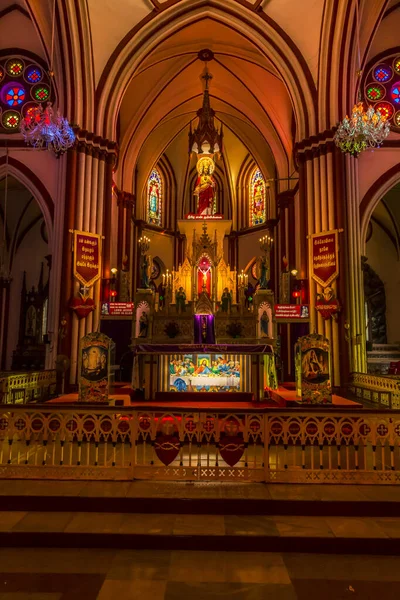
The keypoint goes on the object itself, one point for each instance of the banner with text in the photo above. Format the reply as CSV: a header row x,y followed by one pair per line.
x,y
87,257
291,311
324,256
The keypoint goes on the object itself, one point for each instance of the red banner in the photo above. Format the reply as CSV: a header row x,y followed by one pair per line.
x,y
87,262
324,256
291,311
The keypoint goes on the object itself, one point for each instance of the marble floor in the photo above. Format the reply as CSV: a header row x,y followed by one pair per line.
x,y
74,574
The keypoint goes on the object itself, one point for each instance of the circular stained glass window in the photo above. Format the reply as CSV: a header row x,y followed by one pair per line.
x,y
396,64
29,108
375,92
24,86
395,93
383,73
385,108
396,119
33,74
41,93
15,67
14,95
11,119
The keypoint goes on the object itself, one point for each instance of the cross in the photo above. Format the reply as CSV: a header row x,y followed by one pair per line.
x,y
207,77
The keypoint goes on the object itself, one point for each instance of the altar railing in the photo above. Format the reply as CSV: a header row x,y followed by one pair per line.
x,y
292,446
16,387
383,390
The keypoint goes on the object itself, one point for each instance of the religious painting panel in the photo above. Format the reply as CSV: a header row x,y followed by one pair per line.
x,y
94,368
205,373
315,369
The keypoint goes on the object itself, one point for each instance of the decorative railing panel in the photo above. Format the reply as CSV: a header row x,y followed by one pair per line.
x,y
321,446
383,390
24,387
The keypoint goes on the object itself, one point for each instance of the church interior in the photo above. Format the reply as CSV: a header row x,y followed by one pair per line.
x,y
199,283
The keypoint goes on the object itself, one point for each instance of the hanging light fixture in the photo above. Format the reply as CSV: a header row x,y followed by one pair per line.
x,y
43,127
365,128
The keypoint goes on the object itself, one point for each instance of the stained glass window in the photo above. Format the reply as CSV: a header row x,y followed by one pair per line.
x,y
257,198
33,74
154,198
15,95
15,67
23,86
382,89
11,119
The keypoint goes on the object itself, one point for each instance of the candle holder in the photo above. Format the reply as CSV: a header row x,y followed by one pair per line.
x,y
266,243
144,244
243,279
167,279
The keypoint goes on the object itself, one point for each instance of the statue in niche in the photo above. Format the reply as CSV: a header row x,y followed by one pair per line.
x,y
143,325
205,186
144,270
263,273
226,301
264,322
30,323
180,299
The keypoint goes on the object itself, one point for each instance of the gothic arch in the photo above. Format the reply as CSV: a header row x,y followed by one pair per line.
x,y
38,190
373,196
263,33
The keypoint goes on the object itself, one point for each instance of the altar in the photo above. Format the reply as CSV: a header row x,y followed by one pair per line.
x,y
205,328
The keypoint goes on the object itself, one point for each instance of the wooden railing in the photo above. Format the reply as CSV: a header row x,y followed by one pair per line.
x,y
27,387
292,446
382,390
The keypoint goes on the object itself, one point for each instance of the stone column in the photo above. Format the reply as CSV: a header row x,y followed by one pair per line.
x,y
87,208
329,194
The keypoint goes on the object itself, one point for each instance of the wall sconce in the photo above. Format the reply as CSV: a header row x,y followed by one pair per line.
x,y
294,272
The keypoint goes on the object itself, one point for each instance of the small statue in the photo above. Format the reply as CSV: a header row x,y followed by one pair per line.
x,y
161,295
180,299
226,301
143,325
264,275
145,280
264,321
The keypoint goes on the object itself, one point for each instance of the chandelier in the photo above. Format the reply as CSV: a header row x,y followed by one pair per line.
x,y
43,128
364,129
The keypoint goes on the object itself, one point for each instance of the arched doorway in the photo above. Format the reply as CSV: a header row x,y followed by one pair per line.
x,y
382,281
25,263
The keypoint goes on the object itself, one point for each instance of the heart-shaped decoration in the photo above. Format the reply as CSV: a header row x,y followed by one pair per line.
x,y
82,306
167,448
231,448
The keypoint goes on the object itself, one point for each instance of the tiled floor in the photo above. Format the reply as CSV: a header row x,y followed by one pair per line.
x,y
203,490
162,575
200,525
